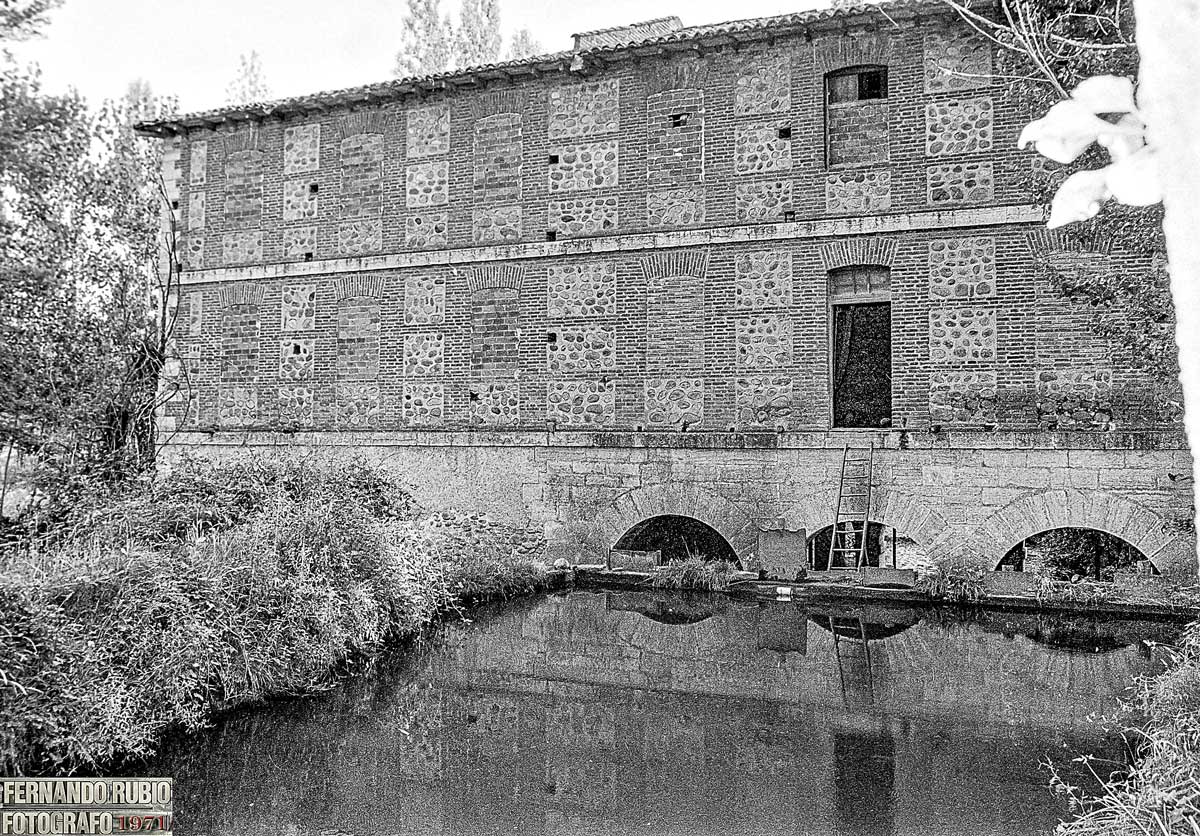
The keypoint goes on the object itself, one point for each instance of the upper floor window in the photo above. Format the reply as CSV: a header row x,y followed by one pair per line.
x,y
856,84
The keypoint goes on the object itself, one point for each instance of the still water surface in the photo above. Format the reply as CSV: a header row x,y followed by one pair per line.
x,y
632,713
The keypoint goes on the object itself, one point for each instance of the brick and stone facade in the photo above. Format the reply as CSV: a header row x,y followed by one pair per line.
x,y
555,286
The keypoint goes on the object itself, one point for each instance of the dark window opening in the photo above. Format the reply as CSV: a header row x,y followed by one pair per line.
x,y
553,159
856,84
679,538
474,397
551,235
551,337
862,365
313,188
308,256
174,204
785,133
678,120
789,216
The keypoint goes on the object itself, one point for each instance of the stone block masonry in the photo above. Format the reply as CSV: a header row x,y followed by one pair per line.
x,y
607,287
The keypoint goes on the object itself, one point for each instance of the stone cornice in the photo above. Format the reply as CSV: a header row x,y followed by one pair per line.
x,y
1158,442
636,242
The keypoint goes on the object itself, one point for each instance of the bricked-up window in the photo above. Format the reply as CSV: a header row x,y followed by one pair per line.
x,y
861,349
857,281
495,330
856,116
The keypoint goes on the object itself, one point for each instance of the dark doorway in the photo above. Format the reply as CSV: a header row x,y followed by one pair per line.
x,y
880,546
864,782
678,538
862,365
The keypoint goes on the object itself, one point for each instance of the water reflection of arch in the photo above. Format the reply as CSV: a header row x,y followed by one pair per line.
x,y
670,609
682,499
877,623
1134,523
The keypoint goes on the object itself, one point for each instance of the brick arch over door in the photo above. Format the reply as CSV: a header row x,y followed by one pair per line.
x,y
682,499
910,515
1132,522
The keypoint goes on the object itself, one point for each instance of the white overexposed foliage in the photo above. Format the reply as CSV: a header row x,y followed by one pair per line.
x,y
1071,126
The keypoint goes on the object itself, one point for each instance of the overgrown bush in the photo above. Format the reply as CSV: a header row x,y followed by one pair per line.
x,y
958,583
1084,593
1160,794
694,573
219,586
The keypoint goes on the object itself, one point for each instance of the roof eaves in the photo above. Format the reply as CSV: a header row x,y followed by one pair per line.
x,y
755,28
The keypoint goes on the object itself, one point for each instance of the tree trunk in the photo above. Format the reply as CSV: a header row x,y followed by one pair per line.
x,y
1168,35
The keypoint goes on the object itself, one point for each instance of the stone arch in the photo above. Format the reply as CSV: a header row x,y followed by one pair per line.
x,y
909,514
1134,523
683,499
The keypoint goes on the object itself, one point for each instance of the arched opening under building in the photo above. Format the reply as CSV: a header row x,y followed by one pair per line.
x,y
1079,635
1071,554
885,547
866,625
676,537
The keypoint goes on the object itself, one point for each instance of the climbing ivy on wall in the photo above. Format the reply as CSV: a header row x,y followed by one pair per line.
x,y
1046,47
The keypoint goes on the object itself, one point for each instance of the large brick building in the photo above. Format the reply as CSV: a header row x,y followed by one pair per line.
x,y
670,271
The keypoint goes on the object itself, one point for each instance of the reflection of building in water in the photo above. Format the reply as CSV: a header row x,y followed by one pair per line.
x,y
571,717
864,781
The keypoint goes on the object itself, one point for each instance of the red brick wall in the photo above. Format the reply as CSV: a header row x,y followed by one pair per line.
x,y
721,336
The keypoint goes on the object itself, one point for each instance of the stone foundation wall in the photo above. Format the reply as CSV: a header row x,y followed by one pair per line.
x,y
970,498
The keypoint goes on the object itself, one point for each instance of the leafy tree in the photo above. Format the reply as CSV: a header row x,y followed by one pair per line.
x,y
523,45
425,39
249,85
21,19
140,102
431,43
84,319
477,39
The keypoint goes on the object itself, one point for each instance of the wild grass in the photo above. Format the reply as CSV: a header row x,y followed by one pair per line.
x,y
1084,592
960,584
1160,794
220,586
694,573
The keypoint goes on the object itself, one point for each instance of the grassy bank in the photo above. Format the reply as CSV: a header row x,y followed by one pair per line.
x,y
156,608
1160,795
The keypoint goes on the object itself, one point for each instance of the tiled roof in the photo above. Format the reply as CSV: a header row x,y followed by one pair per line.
x,y
732,32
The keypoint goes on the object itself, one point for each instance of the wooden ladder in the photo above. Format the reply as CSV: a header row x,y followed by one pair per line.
x,y
848,539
